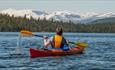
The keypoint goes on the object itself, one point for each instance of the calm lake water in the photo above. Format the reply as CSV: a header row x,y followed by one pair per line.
x,y
100,55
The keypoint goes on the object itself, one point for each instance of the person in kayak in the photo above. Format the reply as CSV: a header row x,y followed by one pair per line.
x,y
57,41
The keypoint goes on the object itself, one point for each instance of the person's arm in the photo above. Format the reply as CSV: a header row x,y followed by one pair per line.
x,y
65,41
47,41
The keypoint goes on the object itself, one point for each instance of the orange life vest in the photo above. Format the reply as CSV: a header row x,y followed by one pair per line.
x,y
57,41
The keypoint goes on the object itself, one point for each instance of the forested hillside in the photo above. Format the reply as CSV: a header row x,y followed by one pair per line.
x,y
15,24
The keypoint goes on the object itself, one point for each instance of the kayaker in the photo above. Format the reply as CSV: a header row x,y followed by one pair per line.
x,y
57,41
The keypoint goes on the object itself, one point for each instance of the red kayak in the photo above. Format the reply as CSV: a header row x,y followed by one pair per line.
x,y
44,53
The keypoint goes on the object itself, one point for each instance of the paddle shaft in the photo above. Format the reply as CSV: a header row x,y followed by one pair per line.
x,y
26,32
72,43
39,36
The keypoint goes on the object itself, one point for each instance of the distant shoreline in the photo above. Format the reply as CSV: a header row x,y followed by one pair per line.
x,y
16,24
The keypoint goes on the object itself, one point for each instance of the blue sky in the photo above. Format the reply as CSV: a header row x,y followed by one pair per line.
x,y
60,5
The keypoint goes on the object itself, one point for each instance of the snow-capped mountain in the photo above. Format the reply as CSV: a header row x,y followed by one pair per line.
x,y
58,15
22,13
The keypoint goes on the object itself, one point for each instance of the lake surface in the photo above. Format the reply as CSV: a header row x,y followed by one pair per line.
x,y
100,55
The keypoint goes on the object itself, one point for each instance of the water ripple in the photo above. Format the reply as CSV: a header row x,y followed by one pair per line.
x,y
100,55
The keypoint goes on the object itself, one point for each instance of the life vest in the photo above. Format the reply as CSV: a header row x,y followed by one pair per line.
x,y
57,41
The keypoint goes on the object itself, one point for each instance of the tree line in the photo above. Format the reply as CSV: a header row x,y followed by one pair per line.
x,y
16,24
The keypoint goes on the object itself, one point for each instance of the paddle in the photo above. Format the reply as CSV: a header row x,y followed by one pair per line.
x,y
29,33
82,44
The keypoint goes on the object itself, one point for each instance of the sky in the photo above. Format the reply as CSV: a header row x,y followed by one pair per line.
x,y
61,5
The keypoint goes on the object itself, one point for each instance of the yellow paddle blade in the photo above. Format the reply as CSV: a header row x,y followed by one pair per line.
x,y
82,44
26,33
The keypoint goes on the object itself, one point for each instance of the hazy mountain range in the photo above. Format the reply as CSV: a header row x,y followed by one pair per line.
x,y
61,15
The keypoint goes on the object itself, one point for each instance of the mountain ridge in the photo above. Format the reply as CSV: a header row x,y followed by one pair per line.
x,y
64,16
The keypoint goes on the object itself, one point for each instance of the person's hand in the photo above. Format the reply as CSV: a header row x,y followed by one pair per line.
x,y
67,41
45,37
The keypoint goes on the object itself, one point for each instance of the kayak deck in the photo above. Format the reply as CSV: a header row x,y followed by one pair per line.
x,y
44,53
